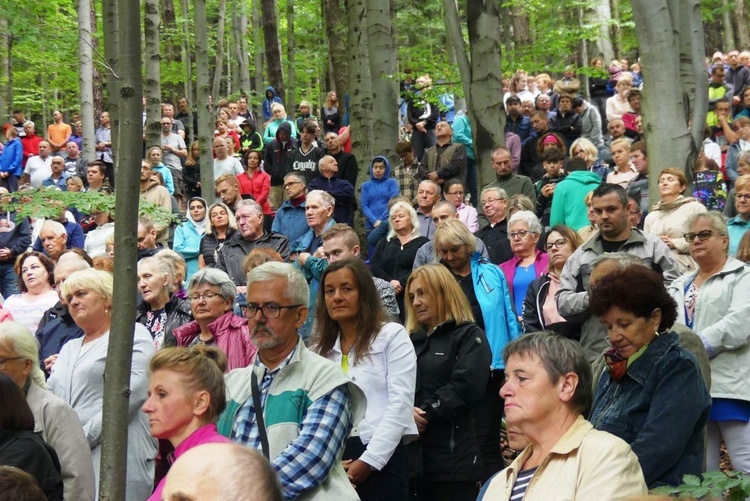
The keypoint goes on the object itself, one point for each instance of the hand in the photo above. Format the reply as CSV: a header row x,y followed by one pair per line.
x,y
432,176
736,100
548,190
49,362
319,252
667,241
242,289
377,223
5,253
419,419
357,470
722,119
396,286
421,126
303,258
198,184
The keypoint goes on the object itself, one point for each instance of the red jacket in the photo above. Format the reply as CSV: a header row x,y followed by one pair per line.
x,y
232,337
30,146
258,186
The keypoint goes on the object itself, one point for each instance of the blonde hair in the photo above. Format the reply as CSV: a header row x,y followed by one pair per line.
x,y
97,281
620,142
18,339
232,221
444,293
453,232
742,182
412,217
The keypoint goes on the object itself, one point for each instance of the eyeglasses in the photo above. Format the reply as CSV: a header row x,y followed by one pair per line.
x,y
4,360
456,193
289,185
742,196
268,310
519,234
557,244
702,235
206,295
492,201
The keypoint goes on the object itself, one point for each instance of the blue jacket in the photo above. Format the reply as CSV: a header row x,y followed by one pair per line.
x,y
11,157
187,241
376,193
291,221
660,407
342,191
167,175
306,241
493,295
731,162
267,103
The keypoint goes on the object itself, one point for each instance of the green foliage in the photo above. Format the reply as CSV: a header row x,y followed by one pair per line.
x,y
733,486
48,204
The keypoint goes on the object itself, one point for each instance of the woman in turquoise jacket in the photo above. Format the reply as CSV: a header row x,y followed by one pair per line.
x,y
489,296
187,236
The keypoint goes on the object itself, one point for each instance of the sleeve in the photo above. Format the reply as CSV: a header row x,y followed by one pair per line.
x,y
168,181
469,376
682,377
376,263
665,262
237,167
265,190
528,190
557,212
23,238
461,133
307,461
472,221
180,243
514,146
609,472
456,166
283,248
731,332
365,202
610,109
401,378
530,313
388,298
572,303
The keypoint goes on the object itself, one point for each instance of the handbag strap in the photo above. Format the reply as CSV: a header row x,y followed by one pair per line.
x,y
259,415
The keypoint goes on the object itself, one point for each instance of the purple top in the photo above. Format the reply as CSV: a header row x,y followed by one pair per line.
x,y
206,434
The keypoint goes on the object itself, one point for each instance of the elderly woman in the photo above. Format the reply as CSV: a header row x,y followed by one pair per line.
x,y
394,255
668,218
159,310
454,193
35,279
652,389
618,105
77,376
527,263
714,302
353,330
54,420
187,236
452,360
211,293
740,223
584,149
487,292
547,392
540,306
186,397
220,227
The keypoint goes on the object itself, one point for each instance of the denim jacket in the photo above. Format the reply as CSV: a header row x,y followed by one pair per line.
x,y
660,407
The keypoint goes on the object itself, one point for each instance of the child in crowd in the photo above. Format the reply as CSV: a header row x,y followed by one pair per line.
x,y
624,171
552,161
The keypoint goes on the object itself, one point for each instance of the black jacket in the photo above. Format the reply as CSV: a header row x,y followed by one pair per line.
x,y
533,321
178,314
452,373
55,329
232,255
209,245
496,240
28,452
18,239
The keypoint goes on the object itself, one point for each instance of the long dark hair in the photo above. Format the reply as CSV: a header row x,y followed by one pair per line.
x,y
15,413
371,315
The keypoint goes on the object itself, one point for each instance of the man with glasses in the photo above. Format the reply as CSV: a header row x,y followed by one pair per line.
x,y
290,218
509,182
610,203
294,406
494,203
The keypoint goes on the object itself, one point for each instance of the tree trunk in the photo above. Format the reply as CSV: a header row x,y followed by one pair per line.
x,y
743,34
384,87
96,77
186,56
521,28
258,59
601,15
85,77
112,54
115,414
152,85
481,78
6,71
728,31
219,66
273,55
336,32
360,83
205,129
665,28
241,48
291,102
616,29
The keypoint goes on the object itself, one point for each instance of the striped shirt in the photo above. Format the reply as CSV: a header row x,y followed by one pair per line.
x,y
522,483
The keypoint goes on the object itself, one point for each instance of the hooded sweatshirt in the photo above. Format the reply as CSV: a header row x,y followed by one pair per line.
x,y
267,103
278,155
273,127
568,204
376,193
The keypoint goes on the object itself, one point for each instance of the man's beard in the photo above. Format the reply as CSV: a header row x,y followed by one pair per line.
x,y
267,342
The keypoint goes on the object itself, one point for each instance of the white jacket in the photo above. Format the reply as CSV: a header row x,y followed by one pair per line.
x,y
721,319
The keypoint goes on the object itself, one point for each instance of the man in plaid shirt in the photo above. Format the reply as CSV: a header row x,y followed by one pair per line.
x,y
410,173
309,404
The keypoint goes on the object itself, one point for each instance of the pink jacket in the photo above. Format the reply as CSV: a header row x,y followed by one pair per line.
x,y
541,264
232,336
206,434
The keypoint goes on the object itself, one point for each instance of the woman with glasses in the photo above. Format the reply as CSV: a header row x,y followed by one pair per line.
x,y
454,193
740,223
528,263
540,306
211,294
487,292
714,302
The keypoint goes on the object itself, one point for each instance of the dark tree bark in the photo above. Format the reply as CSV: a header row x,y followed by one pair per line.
x,y
273,55
205,130
336,32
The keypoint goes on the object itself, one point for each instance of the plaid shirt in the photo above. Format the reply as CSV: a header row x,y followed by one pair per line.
x,y
408,178
306,462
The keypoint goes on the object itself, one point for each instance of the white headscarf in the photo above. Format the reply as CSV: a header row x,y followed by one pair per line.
x,y
200,226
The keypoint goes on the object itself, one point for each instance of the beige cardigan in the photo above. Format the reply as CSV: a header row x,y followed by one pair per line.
x,y
672,220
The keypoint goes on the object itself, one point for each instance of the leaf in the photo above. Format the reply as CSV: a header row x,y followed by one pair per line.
x,y
691,480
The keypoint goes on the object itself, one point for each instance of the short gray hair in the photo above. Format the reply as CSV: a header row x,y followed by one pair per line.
x,y
162,266
29,123
715,219
252,204
528,217
297,290
296,175
18,339
54,226
623,260
558,356
324,197
217,278
497,191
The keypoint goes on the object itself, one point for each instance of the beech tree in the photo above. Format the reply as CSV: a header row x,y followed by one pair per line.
x,y
273,55
675,97
152,87
85,77
205,129
360,83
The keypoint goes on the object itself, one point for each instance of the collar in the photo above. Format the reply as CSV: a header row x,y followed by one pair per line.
x,y
640,368
738,221
595,242
292,356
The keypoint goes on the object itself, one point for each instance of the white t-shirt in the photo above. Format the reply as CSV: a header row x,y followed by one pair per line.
x,y
38,170
229,165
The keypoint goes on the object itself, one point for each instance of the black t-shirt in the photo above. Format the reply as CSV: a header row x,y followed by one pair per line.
x,y
609,246
467,285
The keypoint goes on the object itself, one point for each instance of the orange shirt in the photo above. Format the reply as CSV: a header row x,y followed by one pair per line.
x,y
57,134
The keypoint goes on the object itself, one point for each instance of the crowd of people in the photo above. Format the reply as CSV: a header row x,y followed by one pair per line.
x,y
554,331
